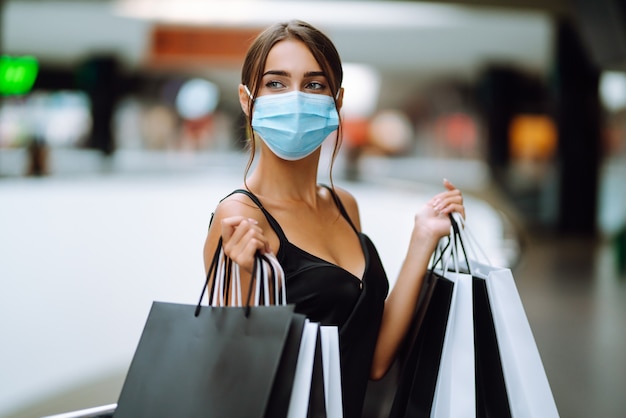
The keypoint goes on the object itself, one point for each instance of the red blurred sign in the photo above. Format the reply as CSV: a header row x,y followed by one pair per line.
x,y
176,44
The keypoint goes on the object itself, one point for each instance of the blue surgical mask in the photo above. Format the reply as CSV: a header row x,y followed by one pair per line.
x,y
294,124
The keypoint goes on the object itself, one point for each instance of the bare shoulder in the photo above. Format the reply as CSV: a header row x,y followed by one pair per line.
x,y
234,205
237,204
351,205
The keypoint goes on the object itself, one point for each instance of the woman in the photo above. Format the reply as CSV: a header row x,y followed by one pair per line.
x,y
291,94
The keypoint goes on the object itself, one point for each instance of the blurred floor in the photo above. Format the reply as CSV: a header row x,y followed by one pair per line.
x,y
572,292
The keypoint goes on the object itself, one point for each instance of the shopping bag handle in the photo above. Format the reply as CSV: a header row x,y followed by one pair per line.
x,y
440,251
222,270
212,270
458,238
470,240
455,239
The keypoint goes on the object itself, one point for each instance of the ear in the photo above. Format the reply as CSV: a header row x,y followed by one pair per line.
x,y
340,99
244,99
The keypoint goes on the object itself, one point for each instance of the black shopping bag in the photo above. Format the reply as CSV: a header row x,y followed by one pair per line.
x,y
528,392
418,376
381,393
188,366
491,395
317,403
280,396
216,361
439,375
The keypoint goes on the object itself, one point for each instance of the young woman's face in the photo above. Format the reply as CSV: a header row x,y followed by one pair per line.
x,y
291,66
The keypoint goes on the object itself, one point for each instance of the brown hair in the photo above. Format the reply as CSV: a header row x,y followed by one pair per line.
x,y
321,48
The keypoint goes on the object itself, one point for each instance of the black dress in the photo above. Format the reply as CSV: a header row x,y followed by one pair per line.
x,y
330,295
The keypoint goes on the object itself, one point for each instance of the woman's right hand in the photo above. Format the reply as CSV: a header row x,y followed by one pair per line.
x,y
241,239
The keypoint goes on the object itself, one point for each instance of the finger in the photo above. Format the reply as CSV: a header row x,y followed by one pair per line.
x,y
229,225
255,233
448,185
253,245
233,230
236,228
449,200
454,192
445,200
454,208
244,252
243,232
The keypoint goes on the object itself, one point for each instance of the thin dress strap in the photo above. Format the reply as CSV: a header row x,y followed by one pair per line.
x,y
270,219
342,209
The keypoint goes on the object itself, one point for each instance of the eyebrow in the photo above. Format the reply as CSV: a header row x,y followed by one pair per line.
x,y
286,74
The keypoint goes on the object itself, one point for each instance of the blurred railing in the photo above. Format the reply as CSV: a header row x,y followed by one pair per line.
x,y
105,411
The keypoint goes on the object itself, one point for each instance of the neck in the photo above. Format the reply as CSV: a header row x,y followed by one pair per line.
x,y
285,180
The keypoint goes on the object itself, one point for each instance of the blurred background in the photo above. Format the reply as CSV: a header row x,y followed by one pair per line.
x,y
120,130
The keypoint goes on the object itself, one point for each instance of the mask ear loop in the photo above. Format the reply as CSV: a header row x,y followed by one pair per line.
x,y
248,91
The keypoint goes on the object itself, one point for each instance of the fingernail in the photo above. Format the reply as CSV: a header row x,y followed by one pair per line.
x,y
253,221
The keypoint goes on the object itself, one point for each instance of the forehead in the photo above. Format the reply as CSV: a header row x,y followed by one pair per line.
x,y
291,55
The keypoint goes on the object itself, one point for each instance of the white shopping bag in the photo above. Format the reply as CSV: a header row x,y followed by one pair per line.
x,y
455,392
332,371
527,386
526,382
301,391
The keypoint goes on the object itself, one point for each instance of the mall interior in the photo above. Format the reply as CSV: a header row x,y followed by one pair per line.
x,y
121,129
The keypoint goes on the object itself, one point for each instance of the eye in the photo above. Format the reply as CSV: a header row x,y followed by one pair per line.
x,y
315,86
274,85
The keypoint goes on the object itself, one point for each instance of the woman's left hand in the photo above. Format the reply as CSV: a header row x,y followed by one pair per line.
x,y
434,219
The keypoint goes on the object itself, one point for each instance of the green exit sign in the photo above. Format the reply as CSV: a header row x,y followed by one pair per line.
x,y
17,74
